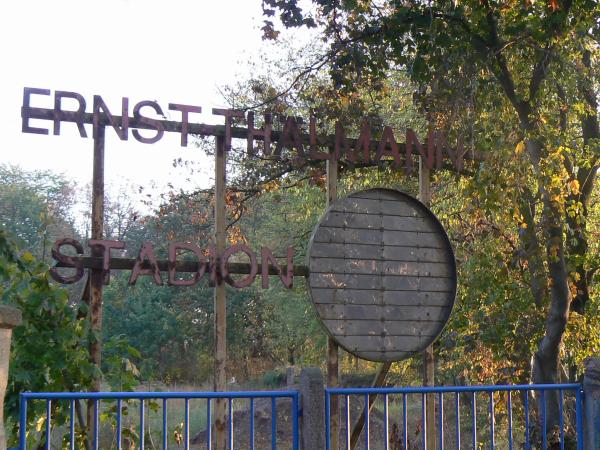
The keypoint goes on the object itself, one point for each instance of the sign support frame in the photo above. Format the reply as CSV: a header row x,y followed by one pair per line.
x,y
333,369
427,355
220,300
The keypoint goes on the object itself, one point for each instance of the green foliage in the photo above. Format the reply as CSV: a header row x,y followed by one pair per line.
x,y
121,372
49,348
274,378
169,327
36,208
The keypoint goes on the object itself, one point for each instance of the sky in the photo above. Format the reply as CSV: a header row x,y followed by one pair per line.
x,y
171,51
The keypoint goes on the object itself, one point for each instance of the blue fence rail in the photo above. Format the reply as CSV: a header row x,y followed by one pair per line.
x,y
507,417
100,399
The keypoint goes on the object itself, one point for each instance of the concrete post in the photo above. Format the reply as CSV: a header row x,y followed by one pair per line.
x,y
9,319
591,395
312,398
290,376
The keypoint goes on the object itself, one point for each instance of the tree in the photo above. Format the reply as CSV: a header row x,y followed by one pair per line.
x,y
531,67
36,207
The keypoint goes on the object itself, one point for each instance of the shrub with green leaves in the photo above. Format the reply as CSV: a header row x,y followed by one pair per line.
x,y
49,350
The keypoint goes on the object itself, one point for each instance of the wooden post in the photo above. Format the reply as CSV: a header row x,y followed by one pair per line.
x,y
219,298
360,422
333,370
428,361
95,280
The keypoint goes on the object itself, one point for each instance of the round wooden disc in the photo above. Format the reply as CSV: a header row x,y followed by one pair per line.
x,y
382,274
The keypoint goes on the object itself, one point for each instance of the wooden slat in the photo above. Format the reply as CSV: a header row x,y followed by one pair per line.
x,y
408,238
378,237
344,329
389,253
383,314
348,328
338,250
376,222
341,236
340,220
432,284
366,344
367,206
400,253
407,223
395,283
378,297
379,267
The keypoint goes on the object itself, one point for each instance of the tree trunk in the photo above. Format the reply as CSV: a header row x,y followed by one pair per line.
x,y
532,251
546,359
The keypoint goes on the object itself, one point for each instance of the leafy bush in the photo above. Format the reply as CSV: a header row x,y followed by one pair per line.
x,y
49,350
274,378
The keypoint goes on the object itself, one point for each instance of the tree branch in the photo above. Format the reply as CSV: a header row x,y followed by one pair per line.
x,y
539,72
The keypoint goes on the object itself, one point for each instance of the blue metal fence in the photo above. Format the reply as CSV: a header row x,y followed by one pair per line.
x,y
508,419
121,399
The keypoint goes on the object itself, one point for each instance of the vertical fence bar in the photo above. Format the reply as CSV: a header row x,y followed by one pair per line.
x,y
96,437
366,429
544,426
252,424
441,419
510,421
404,422
457,414
165,424
424,420
579,417
208,425
230,423
72,426
474,415
48,420
327,421
561,420
295,431
23,424
386,435
273,423
492,424
142,425
347,417
526,407
119,424
186,424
